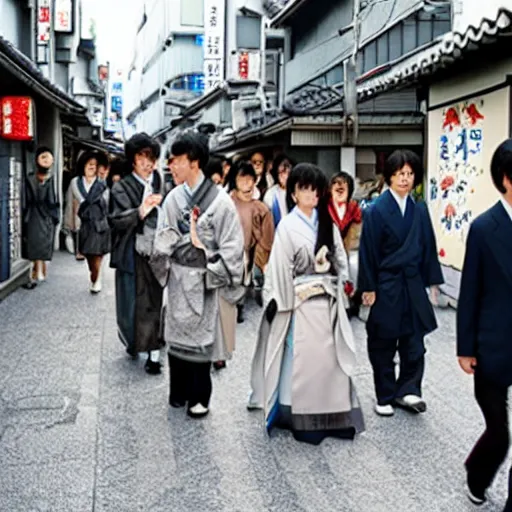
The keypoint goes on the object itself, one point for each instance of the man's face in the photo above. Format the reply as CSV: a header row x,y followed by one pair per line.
x,y
103,172
258,162
402,182
45,160
245,187
183,168
144,164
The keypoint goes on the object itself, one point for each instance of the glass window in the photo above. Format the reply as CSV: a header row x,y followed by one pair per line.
x,y
248,32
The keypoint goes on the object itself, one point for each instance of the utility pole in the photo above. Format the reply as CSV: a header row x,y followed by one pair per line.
x,y
350,122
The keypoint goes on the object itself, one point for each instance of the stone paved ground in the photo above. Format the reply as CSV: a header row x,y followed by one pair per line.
x,y
83,428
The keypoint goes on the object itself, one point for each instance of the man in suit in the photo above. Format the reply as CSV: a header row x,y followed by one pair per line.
x,y
397,262
484,326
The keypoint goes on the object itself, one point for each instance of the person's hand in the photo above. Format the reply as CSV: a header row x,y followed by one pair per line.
x,y
194,215
369,298
468,364
149,203
434,295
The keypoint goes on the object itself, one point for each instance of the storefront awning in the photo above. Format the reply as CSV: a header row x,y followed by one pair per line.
x,y
17,63
110,147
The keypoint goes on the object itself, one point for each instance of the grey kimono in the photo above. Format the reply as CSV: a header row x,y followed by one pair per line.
x,y
305,354
192,326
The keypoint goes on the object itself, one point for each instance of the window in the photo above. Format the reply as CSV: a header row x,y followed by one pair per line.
x,y
192,13
248,33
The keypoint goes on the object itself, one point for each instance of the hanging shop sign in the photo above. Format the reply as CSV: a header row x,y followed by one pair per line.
x,y
43,22
214,46
63,16
17,119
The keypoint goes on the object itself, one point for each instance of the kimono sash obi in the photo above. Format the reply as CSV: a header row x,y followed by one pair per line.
x,y
314,285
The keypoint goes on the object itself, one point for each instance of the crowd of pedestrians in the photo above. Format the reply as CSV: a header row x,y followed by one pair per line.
x,y
190,250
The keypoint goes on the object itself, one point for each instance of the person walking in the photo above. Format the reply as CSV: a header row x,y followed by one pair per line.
x,y
275,197
484,325
201,247
94,235
41,214
133,220
305,354
397,262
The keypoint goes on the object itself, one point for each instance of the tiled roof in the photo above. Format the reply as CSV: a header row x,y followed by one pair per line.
x,y
26,70
444,52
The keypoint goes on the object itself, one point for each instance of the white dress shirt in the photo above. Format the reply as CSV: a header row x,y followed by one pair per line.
x,y
507,206
401,201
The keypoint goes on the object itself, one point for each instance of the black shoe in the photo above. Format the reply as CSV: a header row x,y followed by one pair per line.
x,y
153,367
131,352
219,365
258,297
198,411
240,318
476,497
177,404
30,286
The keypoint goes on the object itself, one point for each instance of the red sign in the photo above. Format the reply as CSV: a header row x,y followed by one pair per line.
x,y
243,66
17,118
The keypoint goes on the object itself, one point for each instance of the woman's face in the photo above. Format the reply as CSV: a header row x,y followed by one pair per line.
x,y
283,172
245,187
258,162
339,192
103,172
305,198
91,168
217,179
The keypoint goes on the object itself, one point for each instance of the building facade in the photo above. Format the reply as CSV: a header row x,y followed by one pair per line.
x,y
42,61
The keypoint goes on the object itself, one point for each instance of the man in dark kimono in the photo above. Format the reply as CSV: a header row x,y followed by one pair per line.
x,y
133,219
484,324
397,262
40,216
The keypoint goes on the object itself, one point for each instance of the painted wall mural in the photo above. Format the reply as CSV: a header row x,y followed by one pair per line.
x,y
460,163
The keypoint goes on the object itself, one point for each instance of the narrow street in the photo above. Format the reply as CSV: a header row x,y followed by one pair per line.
x,y
83,428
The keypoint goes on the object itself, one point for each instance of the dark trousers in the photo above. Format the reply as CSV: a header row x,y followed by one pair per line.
x,y
412,366
491,449
190,382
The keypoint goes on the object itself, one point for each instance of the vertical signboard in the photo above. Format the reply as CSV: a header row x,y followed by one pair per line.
x,y
43,30
214,45
15,177
63,16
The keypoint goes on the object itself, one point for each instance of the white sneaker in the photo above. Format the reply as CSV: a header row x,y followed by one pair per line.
x,y
198,411
96,287
412,403
384,410
40,276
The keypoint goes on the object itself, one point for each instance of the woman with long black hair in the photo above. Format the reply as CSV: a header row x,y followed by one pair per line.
x,y
305,353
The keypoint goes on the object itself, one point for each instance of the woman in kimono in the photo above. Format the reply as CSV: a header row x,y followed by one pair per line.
x,y
92,196
348,217
397,263
264,179
134,219
305,355
40,216
275,198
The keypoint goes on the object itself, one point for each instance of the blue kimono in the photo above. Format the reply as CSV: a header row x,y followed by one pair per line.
x,y
398,261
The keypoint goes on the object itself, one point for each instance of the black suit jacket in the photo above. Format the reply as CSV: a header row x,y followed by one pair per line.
x,y
484,313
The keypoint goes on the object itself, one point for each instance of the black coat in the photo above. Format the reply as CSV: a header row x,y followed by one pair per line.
x,y
398,260
484,311
125,200
41,214
94,233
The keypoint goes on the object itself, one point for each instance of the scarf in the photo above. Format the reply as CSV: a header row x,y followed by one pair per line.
x,y
352,214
